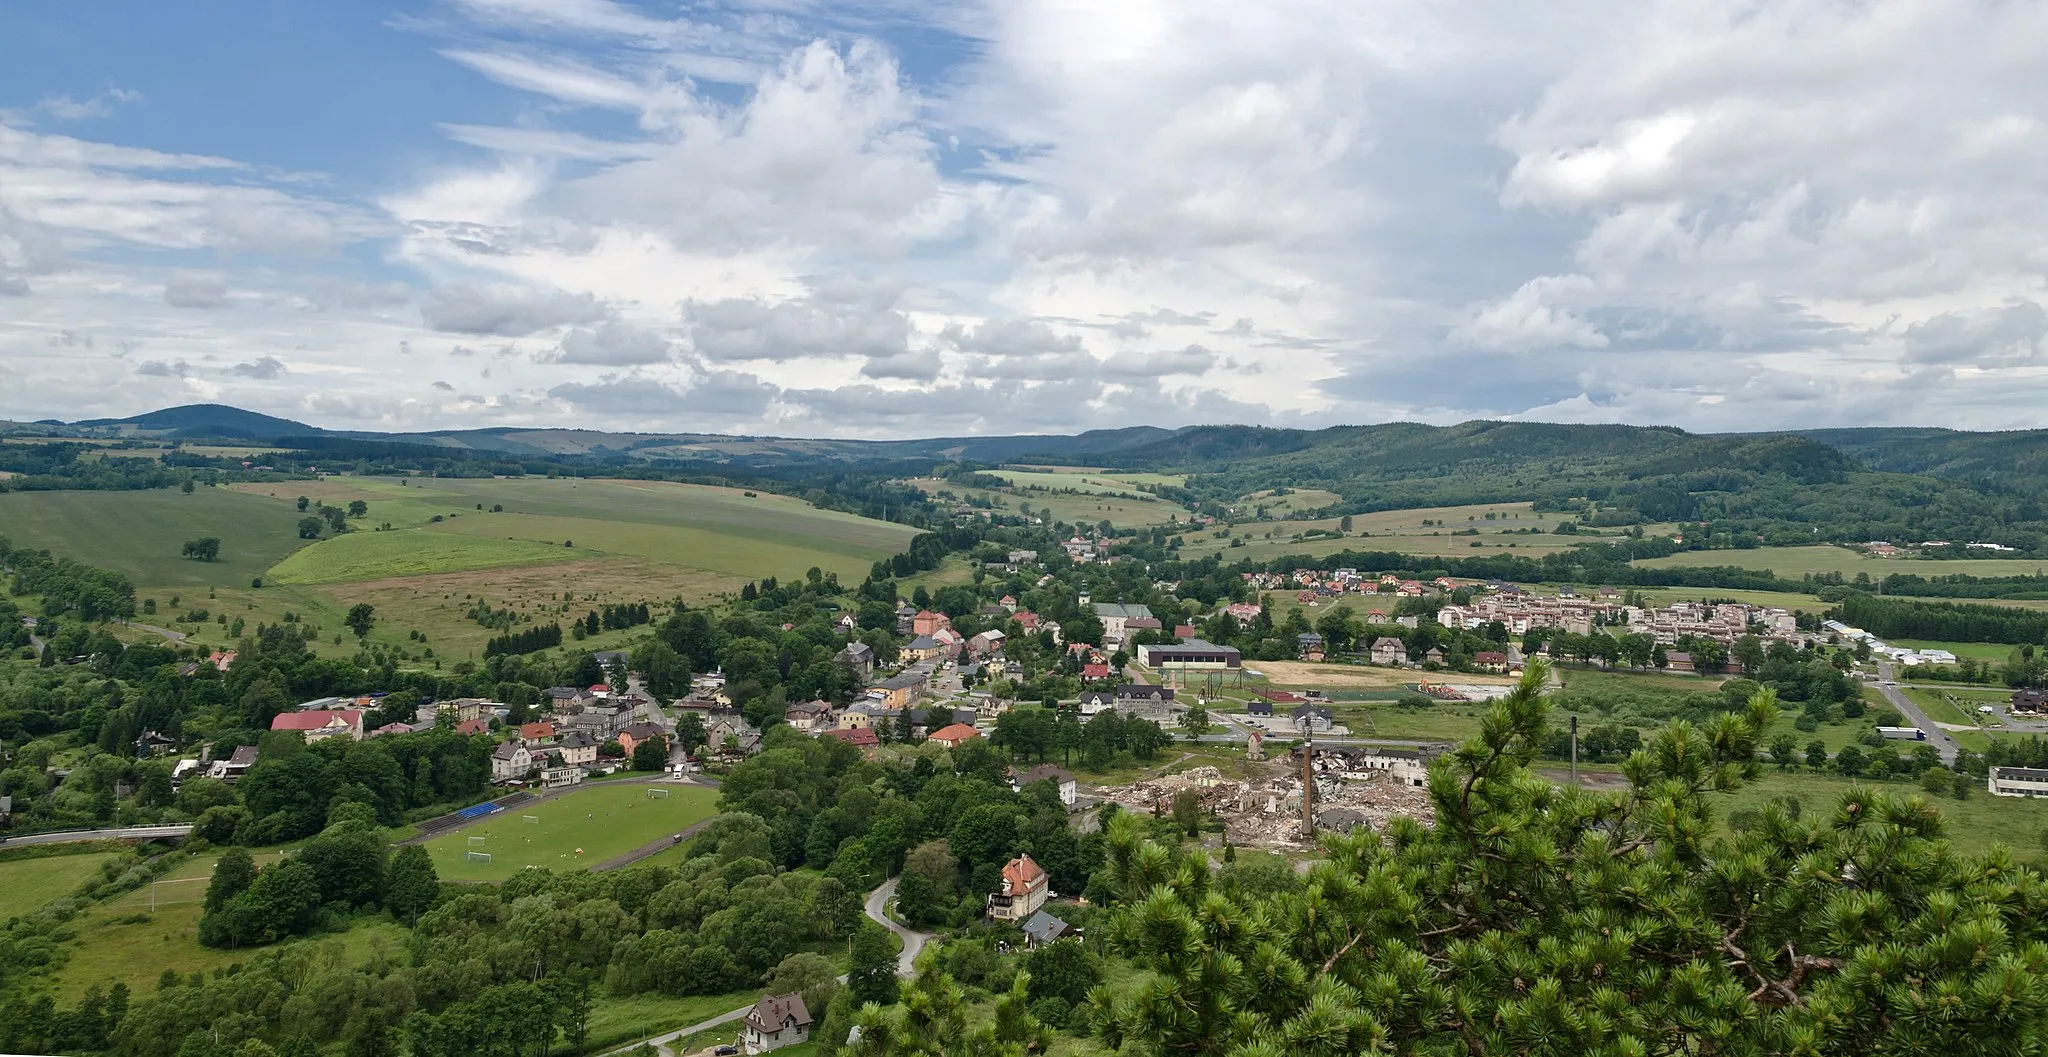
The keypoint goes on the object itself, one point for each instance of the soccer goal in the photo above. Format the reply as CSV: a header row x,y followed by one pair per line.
x,y
477,842
477,856
658,794
177,890
531,820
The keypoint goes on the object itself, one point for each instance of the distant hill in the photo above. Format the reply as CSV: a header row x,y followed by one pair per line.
x,y
206,421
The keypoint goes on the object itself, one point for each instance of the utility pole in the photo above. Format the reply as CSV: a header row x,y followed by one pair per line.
x,y
1575,752
1308,780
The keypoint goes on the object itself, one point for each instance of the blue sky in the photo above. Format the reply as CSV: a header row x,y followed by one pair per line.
x,y
886,219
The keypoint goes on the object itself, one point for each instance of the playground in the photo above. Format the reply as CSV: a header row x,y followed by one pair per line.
x,y
576,831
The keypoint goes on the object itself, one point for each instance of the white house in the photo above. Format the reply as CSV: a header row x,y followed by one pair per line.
x,y
774,1022
2019,781
1045,772
510,760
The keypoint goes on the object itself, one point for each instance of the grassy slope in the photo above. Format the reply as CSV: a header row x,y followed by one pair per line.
x,y
602,820
26,884
1798,561
139,534
376,555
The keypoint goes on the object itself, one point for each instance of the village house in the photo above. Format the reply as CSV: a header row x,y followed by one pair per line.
x,y
811,717
152,743
1309,646
1313,719
537,733
1139,698
986,643
1433,655
858,656
1045,772
1389,650
862,738
727,732
1022,890
899,691
631,737
953,736
578,748
509,761
1490,661
774,1022
859,716
1043,928
926,622
921,648
319,724
235,766
391,728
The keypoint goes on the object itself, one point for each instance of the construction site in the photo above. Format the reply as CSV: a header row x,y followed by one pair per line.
x,y
1350,787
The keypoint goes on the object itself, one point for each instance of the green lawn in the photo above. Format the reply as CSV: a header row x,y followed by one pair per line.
x,y
1794,562
603,821
616,1021
1973,825
1095,481
26,884
131,945
141,534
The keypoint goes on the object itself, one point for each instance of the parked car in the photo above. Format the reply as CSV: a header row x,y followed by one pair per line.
x,y
726,1051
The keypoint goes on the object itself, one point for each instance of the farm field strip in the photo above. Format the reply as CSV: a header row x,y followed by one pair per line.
x,y
1793,562
141,534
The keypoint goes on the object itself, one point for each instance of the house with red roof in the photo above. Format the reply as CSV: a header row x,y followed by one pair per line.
x,y
479,725
858,737
953,735
319,724
926,622
1095,671
1024,888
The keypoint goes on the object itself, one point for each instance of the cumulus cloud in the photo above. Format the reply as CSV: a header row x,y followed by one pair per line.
x,y
196,290
611,344
65,108
2010,333
161,369
506,311
266,369
875,219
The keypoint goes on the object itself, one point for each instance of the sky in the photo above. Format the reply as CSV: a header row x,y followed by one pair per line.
x,y
892,219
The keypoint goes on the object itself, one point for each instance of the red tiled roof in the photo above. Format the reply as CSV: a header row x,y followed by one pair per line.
x,y
1022,875
955,733
478,725
314,719
861,738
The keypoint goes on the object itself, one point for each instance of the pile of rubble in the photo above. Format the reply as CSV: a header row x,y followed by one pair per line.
x,y
1266,812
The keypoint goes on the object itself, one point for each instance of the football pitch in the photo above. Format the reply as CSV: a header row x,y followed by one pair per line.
x,y
576,831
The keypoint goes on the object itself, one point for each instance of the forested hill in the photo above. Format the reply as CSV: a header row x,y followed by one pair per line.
x,y
2015,458
1840,484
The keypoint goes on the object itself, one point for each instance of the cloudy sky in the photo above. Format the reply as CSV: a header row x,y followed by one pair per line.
x,y
886,218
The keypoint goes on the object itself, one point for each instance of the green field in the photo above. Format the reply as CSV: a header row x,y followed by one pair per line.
x,y
602,820
140,534
1085,509
1794,562
1973,825
1401,531
411,552
26,884
1084,480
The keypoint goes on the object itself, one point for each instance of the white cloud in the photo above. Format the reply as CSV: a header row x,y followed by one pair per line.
x,y
1052,215
265,369
196,290
506,311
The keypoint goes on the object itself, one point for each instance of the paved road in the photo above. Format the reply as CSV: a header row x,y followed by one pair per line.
x,y
1936,736
122,833
174,636
913,942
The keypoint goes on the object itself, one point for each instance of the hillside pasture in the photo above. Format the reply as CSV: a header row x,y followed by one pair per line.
x,y
1402,531
1083,480
406,552
141,534
715,549
1086,509
602,820
26,884
1794,562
